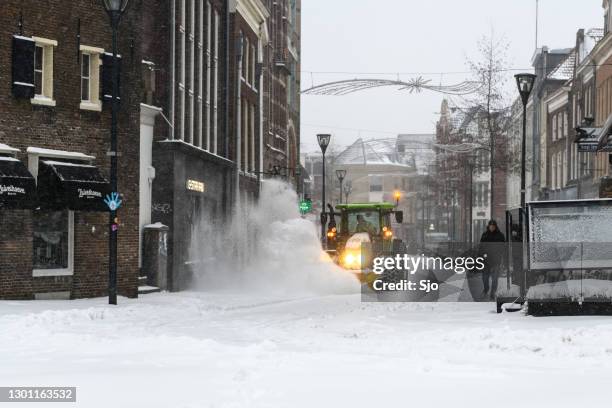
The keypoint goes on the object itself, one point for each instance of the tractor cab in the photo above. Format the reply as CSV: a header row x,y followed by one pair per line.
x,y
356,233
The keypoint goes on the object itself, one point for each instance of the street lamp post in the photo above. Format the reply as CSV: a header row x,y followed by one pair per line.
x,y
341,174
115,9
323,140
525,85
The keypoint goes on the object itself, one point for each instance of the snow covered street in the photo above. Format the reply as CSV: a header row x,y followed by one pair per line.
x,y
234,350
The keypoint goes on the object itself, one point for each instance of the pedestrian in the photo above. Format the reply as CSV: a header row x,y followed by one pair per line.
x,y
493,250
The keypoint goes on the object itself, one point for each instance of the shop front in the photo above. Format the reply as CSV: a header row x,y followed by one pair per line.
x,y
192,193
53,215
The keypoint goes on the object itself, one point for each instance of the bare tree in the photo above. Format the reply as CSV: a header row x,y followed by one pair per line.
x,y
490,104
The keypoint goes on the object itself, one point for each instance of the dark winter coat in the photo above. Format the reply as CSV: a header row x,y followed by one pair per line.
x,y
491,245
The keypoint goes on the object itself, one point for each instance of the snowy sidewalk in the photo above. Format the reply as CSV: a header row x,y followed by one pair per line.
x,y
236,350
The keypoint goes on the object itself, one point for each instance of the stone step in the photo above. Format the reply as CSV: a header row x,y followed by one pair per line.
x,y
142,281
145,289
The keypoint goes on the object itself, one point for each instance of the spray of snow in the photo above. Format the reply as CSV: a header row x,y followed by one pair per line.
x,y
269,248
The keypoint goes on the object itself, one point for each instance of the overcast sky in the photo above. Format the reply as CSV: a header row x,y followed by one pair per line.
x,y
414,36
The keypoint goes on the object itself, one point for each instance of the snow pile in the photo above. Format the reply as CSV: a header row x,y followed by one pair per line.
x,y
269,248
223,350
573,289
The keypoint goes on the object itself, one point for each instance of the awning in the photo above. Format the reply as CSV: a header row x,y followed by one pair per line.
x,y
605,144
17,186
73,186
594,139
587,139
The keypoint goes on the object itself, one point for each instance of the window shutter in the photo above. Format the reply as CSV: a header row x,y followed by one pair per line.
x,y
23,67
106,76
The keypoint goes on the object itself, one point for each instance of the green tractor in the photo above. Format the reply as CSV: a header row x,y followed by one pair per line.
x,y
358,233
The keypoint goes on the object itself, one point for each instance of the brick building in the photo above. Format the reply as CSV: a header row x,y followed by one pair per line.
x,y
54,138
281,104
468,174
185,71
210,70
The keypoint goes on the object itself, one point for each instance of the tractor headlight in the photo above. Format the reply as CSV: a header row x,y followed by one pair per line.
x,y
351,259
387,233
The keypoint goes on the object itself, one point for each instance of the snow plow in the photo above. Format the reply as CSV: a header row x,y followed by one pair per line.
x,y
564,266
358,233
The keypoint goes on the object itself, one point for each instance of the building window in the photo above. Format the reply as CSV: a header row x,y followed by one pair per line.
x,y
207,116
43,72
553,168
245,59
53,242
244,135
191,93
253,64
376,183
183,70
215,79
38,70
252,130
200,100
90,78
85,77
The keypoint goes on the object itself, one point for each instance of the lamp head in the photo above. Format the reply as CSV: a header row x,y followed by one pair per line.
x,y
323,140
525,83
341,174
115,6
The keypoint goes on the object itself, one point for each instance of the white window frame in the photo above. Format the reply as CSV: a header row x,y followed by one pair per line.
x,y
94,103
46,98
252,139
34,155
86,76
245,64
36,273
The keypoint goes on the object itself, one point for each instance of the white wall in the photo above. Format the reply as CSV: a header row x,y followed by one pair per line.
x,y
147,172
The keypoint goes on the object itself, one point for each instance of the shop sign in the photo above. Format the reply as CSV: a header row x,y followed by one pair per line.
x,y
197,186
587,147
11,190
113,201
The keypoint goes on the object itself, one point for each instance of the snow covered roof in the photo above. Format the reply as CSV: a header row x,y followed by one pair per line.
x,y
4,148
565,70
591,38
595,33
417,151
61,154
369,152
